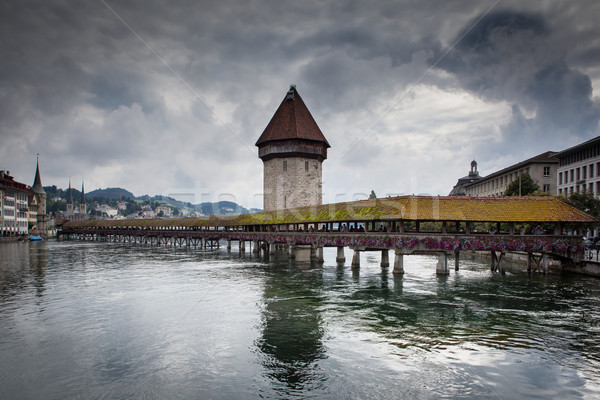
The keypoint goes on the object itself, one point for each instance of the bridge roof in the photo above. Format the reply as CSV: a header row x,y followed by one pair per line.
x,y
408,208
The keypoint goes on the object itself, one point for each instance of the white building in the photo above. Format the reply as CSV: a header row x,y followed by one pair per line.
x,y
106,210
14,206
542,169
579,168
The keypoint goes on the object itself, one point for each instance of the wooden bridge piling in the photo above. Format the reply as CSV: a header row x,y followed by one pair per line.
x,y
340,258
385,258
356,258
398,262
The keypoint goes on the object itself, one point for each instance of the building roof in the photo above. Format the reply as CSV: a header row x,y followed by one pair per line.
x,y
544,158
578,147
459,188
292,120
37,182
407,208
7,182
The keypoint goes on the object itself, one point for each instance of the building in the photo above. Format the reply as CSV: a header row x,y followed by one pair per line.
x,y
166,210
76,211
14,210
542,169
579,168
103,209
473,175
292,148
82,205
37,204
69,201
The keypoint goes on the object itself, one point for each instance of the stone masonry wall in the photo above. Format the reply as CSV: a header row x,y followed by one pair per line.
x,y
292,182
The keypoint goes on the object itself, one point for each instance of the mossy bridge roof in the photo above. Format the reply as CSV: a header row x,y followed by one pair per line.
x,y
406,208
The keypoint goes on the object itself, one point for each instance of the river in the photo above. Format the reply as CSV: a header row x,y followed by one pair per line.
x,y
96,320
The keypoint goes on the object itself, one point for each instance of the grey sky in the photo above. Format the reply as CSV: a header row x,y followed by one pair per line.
x,y
169,97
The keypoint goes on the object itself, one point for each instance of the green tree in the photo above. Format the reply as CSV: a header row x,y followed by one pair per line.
x,y
55,206
526,184
586,202
372,195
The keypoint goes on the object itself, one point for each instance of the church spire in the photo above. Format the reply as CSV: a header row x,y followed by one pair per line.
x,y
82,193
69,195
37,182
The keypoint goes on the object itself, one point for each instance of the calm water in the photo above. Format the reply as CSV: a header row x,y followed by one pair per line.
x,y
107,321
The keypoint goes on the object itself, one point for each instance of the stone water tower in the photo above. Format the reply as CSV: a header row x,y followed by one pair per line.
x,y
292,148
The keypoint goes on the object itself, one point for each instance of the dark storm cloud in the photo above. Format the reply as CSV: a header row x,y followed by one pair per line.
x,y
180,86
509,56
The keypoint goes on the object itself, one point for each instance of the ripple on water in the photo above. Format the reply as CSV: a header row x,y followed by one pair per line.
x,y
103,319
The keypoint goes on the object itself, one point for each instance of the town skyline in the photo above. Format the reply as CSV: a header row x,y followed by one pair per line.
x,y
169,99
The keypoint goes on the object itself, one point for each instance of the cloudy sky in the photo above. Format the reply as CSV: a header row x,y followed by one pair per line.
x,y
169,97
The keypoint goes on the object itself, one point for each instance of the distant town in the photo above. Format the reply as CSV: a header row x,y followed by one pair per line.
x,y
36,209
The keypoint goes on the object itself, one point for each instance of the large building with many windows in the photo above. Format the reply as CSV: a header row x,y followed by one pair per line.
x,y
22,207
579,168
542,169
14,207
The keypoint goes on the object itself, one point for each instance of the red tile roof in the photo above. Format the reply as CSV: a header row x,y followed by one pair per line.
x,y
292,120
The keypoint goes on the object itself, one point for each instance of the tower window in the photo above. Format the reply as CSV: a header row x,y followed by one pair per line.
x,y
306,166
284,165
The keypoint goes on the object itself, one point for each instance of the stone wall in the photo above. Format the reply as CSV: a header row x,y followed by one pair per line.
x,y
292,182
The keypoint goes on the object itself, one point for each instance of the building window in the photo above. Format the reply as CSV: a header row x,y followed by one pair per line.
x,y
559,191
591,170
284,165
560,178
572,178
306,166
578,174
546,188
546,171
584,171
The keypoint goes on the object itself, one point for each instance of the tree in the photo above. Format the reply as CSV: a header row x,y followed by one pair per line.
x,y
372,195
527,186
586,202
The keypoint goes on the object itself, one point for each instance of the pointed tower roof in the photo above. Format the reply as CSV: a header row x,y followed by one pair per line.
x,y
37,182
70,195
82,193
292,121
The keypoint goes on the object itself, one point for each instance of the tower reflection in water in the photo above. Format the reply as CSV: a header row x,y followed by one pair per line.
x,y
291,343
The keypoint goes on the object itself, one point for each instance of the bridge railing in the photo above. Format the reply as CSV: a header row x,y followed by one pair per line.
x,y
409,241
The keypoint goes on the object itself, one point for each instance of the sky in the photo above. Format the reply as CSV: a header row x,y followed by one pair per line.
x,y
169,97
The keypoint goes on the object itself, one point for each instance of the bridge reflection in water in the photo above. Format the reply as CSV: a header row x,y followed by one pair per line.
x,y
443,226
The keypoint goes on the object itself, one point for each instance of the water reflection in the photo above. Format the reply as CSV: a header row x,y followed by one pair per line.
x,y
516,312
291,340
22,263
97,319
38,264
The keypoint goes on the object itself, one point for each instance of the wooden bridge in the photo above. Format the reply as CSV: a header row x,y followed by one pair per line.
x,y
407,225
